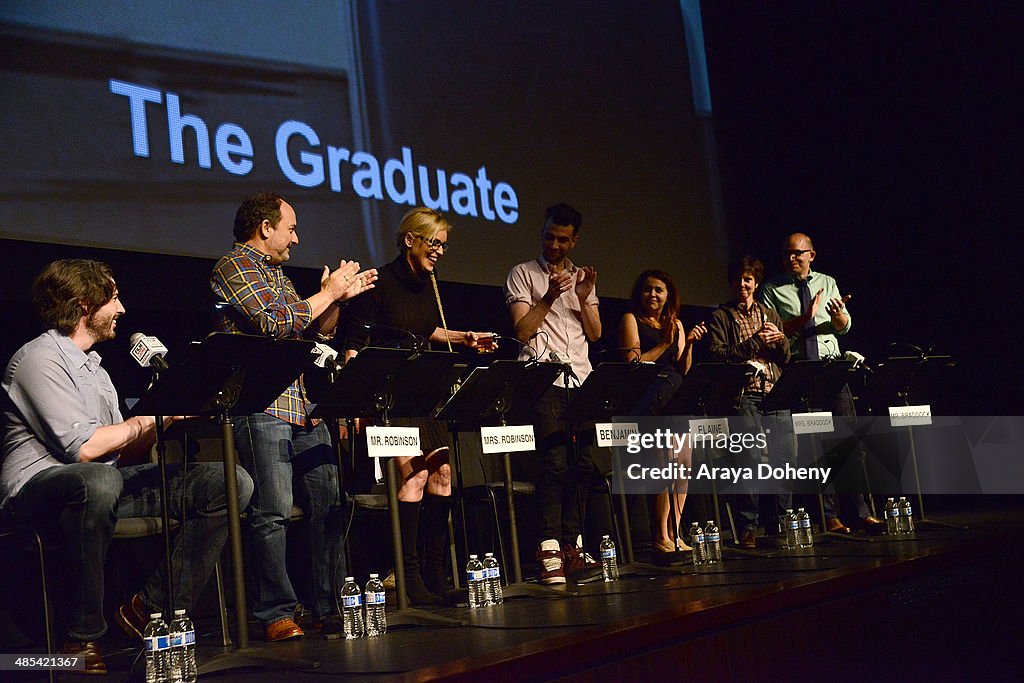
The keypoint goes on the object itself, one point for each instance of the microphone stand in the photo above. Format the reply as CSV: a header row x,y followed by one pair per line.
x,y
165,501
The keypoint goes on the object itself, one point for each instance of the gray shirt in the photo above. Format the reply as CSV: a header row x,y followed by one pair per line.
x,y
58,396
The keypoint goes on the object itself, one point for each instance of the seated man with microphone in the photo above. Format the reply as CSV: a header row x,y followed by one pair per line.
x,y
285,451
63,440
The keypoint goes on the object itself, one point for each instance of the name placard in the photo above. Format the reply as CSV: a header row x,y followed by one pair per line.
x,y
713,425
393,442
813,423
910,416
508,439
615,433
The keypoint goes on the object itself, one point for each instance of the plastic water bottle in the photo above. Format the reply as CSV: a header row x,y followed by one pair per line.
x,y
906,516
697,541
805,537
609,559
713,542
182,660
892,521
792,528
374,599
158,646
492,573
352,609
475,582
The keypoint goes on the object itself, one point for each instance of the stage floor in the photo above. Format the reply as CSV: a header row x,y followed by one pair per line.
x,y
945,601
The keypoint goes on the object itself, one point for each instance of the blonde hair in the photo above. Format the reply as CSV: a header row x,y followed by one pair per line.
x,y
423,222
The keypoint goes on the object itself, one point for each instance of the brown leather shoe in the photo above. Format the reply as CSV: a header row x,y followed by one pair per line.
x,y
132,617
836,526
749,540
873,525
284,629
90,651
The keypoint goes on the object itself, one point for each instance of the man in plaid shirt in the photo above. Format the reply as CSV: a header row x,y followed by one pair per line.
x,y
285,452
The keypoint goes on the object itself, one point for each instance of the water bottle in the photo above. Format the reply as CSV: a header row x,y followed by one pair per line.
x,y
792,528
713,542
609,559
700,549
892,521
906,516
492,572
805,537
352,610
182,660
158,647
374,599
475,582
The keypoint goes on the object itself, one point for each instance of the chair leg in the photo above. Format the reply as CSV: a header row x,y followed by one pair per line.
x,y
225,634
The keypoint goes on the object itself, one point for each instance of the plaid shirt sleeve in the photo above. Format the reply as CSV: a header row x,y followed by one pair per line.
x,y
261,296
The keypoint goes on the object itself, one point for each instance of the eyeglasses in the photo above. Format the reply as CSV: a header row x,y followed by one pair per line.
x,y
433,244
796,253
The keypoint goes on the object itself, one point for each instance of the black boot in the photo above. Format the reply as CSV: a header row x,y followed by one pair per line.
x,y
435,543
415,590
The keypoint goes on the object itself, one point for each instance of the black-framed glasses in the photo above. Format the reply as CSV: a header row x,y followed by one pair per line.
x,y
433,244
796,253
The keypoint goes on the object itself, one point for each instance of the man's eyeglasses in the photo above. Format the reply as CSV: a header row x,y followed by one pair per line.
x,y
796,253
433,244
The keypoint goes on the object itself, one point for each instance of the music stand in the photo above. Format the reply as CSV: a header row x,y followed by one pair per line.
x,y
504,391
210,379
900,378
710,389
382,384
806,385
614,388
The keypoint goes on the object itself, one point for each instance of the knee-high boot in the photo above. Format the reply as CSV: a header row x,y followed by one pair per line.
x,y
409,520
435,543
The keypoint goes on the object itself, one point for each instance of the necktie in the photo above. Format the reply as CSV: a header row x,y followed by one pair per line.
x,y
808,337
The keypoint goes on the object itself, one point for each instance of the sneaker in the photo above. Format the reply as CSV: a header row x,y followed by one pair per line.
x,y
578,563
549,562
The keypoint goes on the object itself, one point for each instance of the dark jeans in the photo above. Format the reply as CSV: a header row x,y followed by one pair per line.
x,y
289,463
780,450
81,502
567,475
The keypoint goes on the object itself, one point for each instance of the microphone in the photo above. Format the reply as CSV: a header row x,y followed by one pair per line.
x,y
325,357
858,361
556,357
148,351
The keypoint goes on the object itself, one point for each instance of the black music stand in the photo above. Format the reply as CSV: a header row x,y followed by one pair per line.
x,y
710,389
210,379
504,391
806,385
614,388
895,382
382,384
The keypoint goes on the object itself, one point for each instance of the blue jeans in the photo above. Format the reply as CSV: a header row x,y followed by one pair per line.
x,y
80,504
289,463
780,449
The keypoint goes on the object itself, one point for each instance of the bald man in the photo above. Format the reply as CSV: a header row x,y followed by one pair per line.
x,y
814,315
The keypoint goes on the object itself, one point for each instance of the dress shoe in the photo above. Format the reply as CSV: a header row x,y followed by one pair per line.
x,y
666,546
283,629
88,650
836,526
749,540
329,624
873,525
131,617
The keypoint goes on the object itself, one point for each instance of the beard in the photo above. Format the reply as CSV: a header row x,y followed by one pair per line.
x,y
101,326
